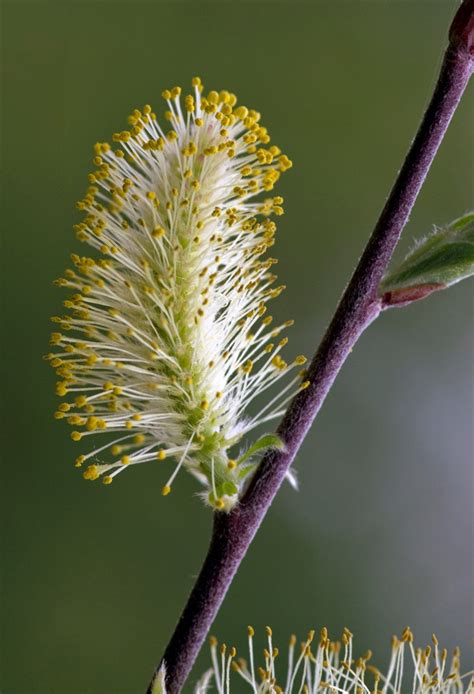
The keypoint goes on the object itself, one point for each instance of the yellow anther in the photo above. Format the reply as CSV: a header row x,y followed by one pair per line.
x,y
250,631
241,112
247,367
161,455
231,464
116,449
300,360
166,490
285,163
279,363
75,420
79,460
76,435
91,472
166,94
107,479
92,423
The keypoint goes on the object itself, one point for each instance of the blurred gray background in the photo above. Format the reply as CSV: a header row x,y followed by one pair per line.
x,y
93,578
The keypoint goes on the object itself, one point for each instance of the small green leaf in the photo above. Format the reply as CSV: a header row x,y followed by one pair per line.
x,y
265,441
438,261
227,488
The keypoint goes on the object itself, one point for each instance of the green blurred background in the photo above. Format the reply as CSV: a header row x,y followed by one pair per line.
x,y
93,578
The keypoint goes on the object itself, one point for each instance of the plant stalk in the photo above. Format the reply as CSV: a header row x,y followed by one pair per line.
x,y
358,307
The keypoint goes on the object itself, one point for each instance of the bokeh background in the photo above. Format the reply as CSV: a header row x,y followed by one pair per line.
x,y
93,578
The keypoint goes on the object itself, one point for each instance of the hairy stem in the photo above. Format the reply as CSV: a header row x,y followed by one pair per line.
x,y
359,306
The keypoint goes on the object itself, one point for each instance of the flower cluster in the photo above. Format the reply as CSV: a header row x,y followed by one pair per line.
x,y
168,340
331,667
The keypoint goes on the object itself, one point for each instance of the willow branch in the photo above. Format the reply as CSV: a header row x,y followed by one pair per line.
x,y
359,306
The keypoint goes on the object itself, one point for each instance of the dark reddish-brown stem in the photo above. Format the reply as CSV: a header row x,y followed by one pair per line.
x,y
359,306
